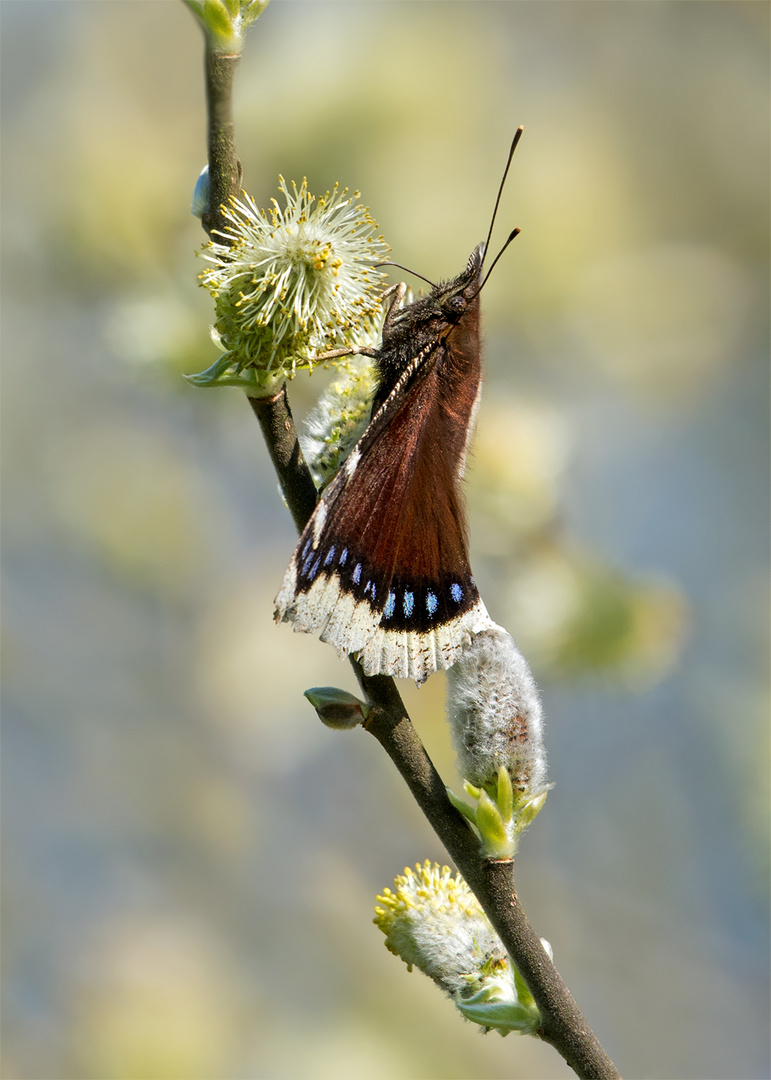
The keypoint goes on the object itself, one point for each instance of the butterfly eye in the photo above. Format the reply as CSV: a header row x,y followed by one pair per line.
x,y
455,305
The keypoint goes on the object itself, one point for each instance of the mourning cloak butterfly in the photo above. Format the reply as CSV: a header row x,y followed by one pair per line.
x,y
382,570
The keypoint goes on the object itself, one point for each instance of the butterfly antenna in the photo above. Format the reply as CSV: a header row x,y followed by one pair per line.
x,y
408,271
515,140
512,234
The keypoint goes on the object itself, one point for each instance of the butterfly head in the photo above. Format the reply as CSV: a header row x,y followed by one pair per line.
x,y
449,300
411,328
455,296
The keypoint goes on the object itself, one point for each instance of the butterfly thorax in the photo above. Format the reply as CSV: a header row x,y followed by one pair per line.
x,y
443,326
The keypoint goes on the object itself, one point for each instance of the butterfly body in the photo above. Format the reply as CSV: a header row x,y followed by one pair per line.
x,y
381,570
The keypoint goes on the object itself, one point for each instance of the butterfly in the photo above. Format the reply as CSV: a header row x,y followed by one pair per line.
x,y
381,570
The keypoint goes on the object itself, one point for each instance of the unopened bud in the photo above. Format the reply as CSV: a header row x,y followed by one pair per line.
x,y
337,708
495,716
200,201
497,729
225,22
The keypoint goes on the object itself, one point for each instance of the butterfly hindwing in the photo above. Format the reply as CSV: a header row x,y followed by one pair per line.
x,y
381,569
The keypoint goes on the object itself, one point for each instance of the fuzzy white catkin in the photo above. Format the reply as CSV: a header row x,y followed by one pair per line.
x,y
434,922
339,418
450,949
495,715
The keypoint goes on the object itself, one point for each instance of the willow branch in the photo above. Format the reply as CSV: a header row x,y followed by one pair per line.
x,y
275,418
224,167
563,1026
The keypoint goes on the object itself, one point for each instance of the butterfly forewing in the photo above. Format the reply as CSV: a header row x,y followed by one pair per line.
x,y
382,569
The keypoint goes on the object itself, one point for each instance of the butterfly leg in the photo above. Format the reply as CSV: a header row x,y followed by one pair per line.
x,y
353,350
394,296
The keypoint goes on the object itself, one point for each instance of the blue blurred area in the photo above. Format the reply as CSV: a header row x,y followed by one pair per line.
x,y
190,859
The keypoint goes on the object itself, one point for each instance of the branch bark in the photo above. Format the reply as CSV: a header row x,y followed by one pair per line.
x,y
275,418
224,167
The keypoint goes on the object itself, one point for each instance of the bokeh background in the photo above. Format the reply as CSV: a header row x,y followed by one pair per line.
x,y
190,858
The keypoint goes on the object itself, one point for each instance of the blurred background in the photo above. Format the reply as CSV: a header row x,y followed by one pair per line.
x,y
191,860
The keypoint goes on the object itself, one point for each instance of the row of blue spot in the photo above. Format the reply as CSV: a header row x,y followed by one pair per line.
x,y
408,601
310,569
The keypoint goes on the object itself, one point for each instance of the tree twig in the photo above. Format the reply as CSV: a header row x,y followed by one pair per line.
x,y
224,167
493,883
278,430
563,1025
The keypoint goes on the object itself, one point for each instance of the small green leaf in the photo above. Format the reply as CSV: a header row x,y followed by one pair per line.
x,y
505,798
523,991
530,810
251,10
495,841
213,374
473,792
218,19
468,811
504,1016
228,371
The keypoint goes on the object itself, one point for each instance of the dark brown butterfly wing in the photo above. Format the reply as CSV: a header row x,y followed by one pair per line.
x,y
382,569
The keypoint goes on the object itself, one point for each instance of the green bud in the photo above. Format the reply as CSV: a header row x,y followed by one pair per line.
x,y
337,708
200,201
500,816
225,22
496,844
